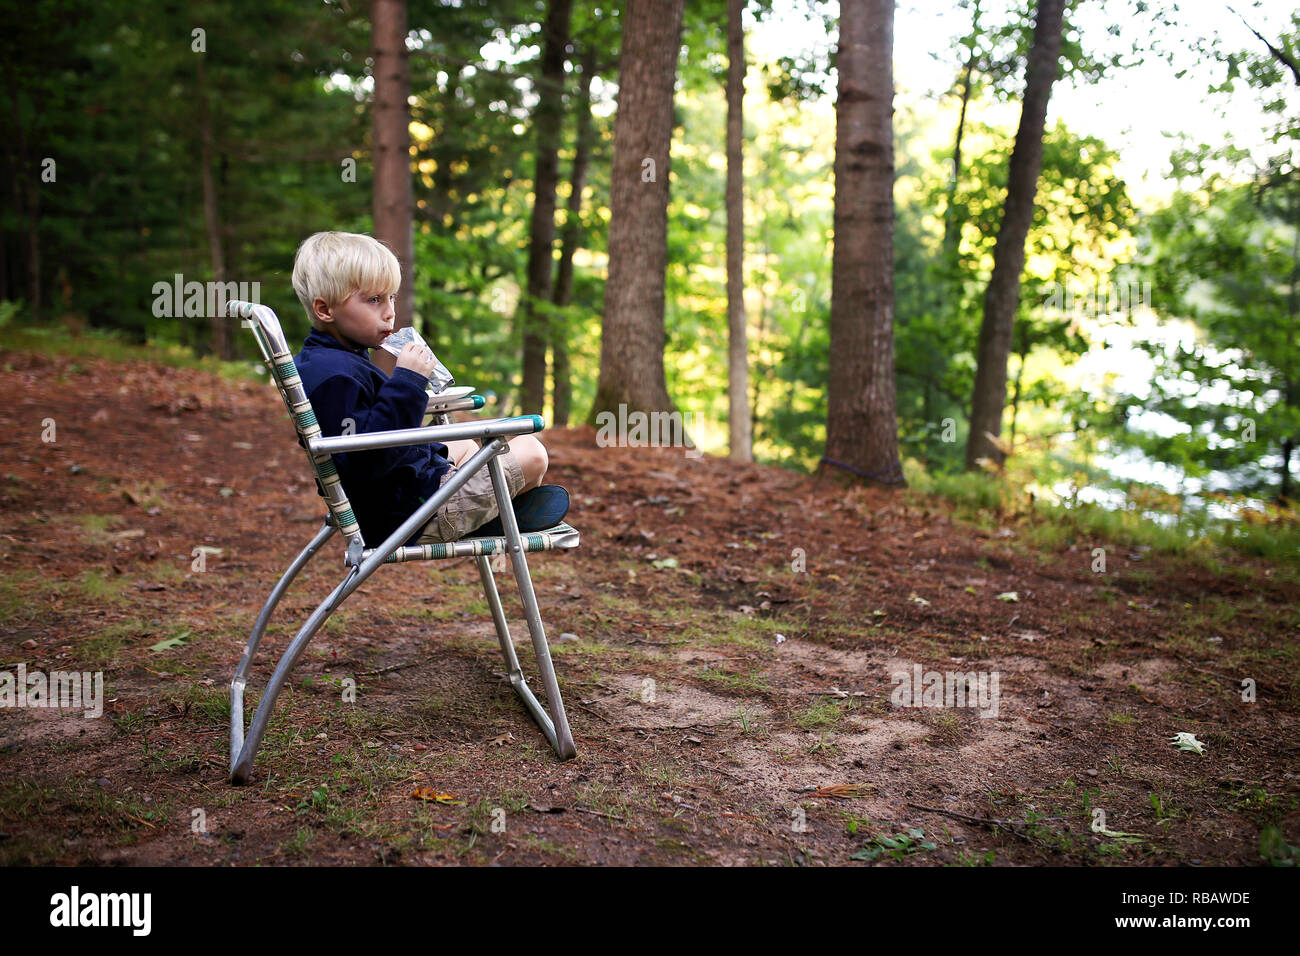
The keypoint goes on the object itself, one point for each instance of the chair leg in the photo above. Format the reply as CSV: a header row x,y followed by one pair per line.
x,y
240,680
241,759
556,730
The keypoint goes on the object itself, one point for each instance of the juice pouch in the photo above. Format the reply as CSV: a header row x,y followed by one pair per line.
x,y
439,378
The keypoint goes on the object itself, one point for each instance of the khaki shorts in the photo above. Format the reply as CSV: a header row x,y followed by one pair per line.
x,y
474,505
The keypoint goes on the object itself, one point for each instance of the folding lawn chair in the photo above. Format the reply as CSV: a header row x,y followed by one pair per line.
x,y
361,561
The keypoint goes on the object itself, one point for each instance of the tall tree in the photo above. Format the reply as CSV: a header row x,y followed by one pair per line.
x,y
219,324
741,433
571,238
547,119
1003,293
861,420
632,339
393,201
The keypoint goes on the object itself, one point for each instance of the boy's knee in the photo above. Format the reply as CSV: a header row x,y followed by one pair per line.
x,y
532,458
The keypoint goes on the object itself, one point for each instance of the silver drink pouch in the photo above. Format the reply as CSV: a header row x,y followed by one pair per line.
x,y
439,378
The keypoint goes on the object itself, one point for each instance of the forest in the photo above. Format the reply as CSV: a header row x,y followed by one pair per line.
x,y
145,151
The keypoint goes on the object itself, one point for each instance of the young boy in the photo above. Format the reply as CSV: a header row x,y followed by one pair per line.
x,y
348,284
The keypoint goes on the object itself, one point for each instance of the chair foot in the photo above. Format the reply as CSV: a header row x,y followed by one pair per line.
x,y
555,730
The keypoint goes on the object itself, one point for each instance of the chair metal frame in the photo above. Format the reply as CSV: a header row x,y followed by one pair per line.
x,y
361,562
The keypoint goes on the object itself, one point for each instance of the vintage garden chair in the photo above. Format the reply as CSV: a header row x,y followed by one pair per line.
x,y
361,561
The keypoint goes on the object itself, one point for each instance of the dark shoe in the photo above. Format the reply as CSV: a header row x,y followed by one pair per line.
x,y
535,510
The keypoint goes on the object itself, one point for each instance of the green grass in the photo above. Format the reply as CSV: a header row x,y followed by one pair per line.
x,y
823,712
750,682
95,586
988,501
79,344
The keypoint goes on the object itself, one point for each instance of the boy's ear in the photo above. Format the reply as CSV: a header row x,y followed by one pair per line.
x,y
321,310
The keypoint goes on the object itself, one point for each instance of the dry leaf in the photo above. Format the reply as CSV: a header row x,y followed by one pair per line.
x,y
434,796
845,791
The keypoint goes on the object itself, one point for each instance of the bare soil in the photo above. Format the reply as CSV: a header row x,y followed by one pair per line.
x,y
725,638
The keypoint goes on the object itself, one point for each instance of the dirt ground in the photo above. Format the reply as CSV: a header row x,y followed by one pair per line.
x,y
726,637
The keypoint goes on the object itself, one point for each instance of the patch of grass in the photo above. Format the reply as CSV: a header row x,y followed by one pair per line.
x,y
104,646
25,799
752,682
946,724
599,797
25,594
747,631
583,647
976,650
1120,718
81,342
1164,809
97,588
542,845
820,745
1263,808
663,775
823,712
301,842
131,722
337,623
213,703
969,858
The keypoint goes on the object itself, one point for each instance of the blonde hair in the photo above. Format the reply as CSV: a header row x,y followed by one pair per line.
x,y
333,265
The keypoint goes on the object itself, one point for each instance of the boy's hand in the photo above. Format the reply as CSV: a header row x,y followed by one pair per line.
x,y
417,358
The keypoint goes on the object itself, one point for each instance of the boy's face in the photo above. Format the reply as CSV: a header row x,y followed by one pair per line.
x,y
363,319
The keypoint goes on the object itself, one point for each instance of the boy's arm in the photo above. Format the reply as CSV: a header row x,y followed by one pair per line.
x,y
341,400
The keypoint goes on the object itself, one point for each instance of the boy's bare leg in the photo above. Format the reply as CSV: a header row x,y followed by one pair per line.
x,y
528,451
460,450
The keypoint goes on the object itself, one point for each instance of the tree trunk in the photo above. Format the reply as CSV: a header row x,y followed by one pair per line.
x,y
570,240
27,199
951,225
862,418
741,435
632,335
1003,293
760,372
394,194
219,324
547,118
1284,475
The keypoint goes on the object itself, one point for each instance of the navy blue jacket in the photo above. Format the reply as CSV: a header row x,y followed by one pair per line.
x,y
385,485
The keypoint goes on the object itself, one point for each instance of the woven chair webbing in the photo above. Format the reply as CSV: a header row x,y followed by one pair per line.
x,y
290,387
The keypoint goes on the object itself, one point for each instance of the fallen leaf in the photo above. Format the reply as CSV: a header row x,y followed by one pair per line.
x,y
1008,596
1185,741
434,796
845,791
501,740
171,642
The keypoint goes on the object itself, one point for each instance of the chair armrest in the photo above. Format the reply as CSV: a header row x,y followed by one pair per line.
x,y
468,403
483,431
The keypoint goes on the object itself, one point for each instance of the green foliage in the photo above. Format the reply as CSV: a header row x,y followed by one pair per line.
x,y
897,847
1225,254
